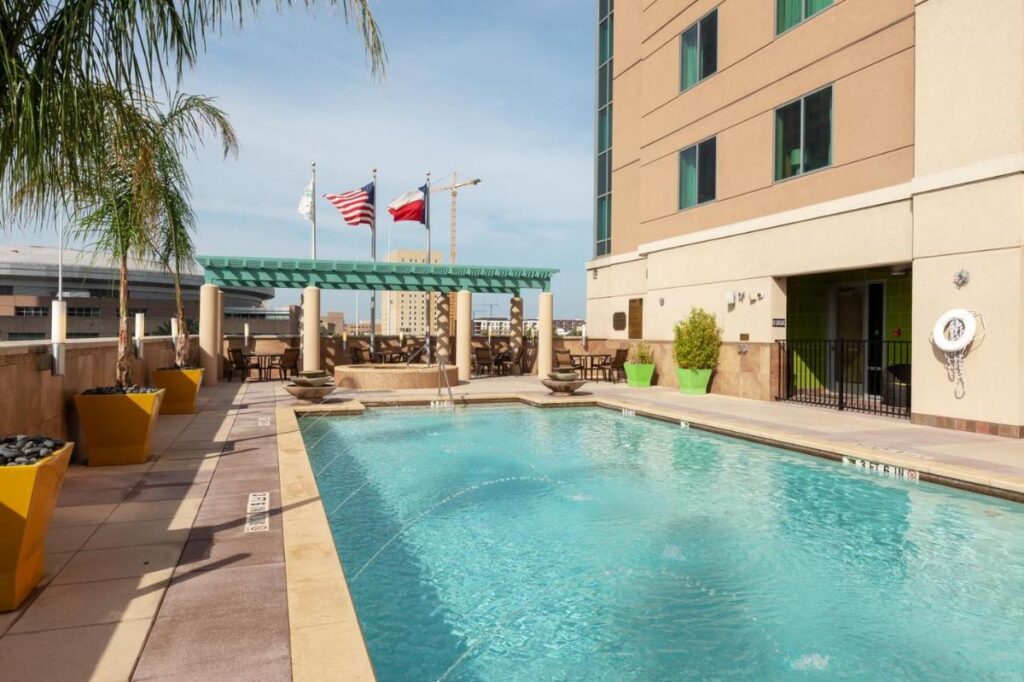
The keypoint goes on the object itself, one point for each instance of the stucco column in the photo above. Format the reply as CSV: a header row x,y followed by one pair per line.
x,y
310,329
545,332
220,333
444,343
515,316
464,336
208,334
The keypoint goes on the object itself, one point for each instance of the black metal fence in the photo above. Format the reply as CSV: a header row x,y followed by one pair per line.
x,y
863,376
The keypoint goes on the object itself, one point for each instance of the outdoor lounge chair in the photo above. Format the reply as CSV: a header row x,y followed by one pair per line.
x,y
483,358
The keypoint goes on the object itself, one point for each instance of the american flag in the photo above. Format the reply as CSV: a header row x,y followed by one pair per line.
x,y
356,207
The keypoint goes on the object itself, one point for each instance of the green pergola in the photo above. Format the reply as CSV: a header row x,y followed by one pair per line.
x,y
296,273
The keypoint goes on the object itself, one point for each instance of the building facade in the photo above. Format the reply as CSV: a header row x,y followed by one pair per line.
x,y
29,282
405,312
814,172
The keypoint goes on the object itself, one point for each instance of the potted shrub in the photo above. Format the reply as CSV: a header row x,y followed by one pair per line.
x,y
139,196
698,342
640,366
31,473
187,115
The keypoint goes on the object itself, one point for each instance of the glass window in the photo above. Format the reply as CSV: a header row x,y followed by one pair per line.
x,y
699,51
789,13
803,135
604,129
697,170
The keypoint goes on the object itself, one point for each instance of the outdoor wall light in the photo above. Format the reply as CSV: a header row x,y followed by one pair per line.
x,y
961,278
593,274
661,301
730,297
58,336
140,332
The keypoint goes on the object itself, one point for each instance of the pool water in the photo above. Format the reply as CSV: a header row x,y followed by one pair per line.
x,y
514,543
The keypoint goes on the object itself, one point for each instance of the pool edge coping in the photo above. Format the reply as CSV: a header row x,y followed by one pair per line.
x,y
326,638
320,607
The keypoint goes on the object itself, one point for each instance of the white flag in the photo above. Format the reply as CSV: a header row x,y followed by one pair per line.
x,y
306,202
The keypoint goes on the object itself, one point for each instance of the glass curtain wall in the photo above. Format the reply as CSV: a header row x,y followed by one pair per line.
x,y
603,170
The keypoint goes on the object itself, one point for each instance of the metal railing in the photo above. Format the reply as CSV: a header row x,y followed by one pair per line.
x,y
860,376
442,370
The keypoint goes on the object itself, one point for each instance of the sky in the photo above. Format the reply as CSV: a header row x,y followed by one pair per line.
x,y
502,91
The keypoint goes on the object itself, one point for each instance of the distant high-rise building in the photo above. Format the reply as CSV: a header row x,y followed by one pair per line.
x,y
405,312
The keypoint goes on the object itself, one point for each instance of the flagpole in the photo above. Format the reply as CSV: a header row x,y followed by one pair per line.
x,y
373,256
426,218
313,209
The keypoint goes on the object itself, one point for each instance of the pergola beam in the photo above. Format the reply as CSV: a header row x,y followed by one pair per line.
x,y
367,275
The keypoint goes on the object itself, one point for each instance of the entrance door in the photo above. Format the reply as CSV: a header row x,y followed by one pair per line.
x,y
858,328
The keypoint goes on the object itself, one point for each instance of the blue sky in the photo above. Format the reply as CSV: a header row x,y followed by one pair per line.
x,y
497,90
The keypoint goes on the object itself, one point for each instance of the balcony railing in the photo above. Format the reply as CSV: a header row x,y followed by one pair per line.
x,y
862,376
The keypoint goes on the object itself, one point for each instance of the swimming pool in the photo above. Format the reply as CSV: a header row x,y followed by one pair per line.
x,y
516,543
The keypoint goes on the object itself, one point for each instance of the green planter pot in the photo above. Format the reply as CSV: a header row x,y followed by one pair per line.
x,y
693,381
639,375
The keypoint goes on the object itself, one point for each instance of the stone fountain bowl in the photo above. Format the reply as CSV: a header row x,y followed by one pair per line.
x,y
562,387
313,373
314,381
566,375
310,393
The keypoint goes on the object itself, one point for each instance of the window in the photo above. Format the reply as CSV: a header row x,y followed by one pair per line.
x,y
31,311
83,335
83,312
803,135
697,173
26,336
699,55
789,13
603,165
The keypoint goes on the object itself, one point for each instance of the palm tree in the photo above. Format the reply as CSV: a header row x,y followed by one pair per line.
x,y
138,206
177,132
52,54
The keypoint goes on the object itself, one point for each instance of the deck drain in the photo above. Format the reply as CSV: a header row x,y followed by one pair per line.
x,y
257,513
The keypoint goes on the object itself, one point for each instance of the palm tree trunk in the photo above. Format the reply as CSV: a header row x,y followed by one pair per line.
x,y
180,343
123,369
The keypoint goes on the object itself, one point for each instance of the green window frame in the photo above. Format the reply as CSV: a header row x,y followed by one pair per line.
x,y
698,51
803,135
603,160
698,170
789,13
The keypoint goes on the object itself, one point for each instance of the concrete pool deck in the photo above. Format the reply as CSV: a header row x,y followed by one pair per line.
x,y
151,573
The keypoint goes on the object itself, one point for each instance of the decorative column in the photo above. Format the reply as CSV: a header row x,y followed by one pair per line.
x,y
310,329
464,336
515,316
220,333
444,339
545,332
208,333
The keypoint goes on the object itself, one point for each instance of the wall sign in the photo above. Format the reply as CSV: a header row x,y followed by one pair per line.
x,y
619,321
778,322
883,469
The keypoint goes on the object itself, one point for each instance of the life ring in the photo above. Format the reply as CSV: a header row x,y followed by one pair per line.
x,y
948,345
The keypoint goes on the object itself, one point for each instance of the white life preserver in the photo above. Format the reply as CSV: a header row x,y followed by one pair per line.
x,y
946,344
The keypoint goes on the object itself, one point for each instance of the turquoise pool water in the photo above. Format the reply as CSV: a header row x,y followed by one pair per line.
x,y
513,543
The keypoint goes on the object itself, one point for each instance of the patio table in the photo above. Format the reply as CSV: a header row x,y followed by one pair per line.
x,y
265,362
590,362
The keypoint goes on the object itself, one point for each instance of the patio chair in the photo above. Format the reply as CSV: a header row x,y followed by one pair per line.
x,y
288,364
483,358
241,364
615,369
564,361
357,356
512,363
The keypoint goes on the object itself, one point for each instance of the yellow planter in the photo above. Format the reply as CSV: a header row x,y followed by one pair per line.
x,y
181,388
118,426
28,495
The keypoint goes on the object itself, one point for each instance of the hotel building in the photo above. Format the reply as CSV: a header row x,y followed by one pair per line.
x,y
405,312
828,177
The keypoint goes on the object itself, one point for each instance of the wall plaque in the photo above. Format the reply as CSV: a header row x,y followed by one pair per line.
x,y
619,321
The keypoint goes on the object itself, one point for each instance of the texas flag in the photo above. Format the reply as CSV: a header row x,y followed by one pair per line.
x,y
410,206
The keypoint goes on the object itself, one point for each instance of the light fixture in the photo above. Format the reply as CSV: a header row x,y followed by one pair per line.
x,y
58,335
140,332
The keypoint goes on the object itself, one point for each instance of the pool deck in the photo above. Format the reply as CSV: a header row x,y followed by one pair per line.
x,y
151,573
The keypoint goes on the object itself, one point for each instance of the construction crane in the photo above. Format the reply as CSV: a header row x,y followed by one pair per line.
x,y
454,186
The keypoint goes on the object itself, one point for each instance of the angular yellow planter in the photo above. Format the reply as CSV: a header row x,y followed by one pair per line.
x,y
118,427
28,495
181,388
